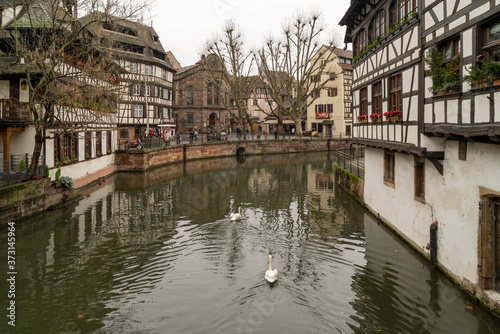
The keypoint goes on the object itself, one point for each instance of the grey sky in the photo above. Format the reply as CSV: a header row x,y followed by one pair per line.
x,y
184,26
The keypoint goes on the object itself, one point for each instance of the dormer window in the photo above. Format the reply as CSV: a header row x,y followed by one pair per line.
x,y
156,39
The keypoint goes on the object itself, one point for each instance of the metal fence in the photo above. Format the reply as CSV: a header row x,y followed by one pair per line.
x,y
352,160
15,169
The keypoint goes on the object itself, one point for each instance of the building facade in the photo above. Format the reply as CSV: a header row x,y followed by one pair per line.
x,y
198,103
331,111
430,127
146,76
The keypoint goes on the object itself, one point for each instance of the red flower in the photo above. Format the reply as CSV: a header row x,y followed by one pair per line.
x,y
360,117
374,116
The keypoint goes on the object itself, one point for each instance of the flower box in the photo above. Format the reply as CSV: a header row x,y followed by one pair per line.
x,y
393,119
363,121
377,120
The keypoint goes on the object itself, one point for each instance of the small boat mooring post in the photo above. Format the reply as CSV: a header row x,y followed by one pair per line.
x,y
433,244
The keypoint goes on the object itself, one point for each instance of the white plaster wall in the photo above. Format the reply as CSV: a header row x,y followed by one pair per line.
x,y
439,111
479,11
84,168
467,43
463,4
482,109
466,116
23,141
452,111
24,95
497,107
451,199
428,113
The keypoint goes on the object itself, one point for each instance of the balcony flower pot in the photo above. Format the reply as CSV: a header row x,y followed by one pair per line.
x,y
393,119
376,120
361,121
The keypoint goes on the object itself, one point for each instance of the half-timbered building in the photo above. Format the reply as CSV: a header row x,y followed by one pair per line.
x,y
80,134
427,109
146,95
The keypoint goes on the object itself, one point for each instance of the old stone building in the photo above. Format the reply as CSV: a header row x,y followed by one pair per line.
x,y
198,101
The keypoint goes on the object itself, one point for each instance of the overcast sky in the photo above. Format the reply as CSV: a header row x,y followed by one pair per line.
x,y
185,25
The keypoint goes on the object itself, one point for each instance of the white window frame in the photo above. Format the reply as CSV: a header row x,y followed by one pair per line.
x,y
166,94
134,68
136,91
138,110
148,90
149,69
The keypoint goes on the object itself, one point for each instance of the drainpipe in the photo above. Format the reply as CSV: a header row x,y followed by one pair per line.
x,y
433,244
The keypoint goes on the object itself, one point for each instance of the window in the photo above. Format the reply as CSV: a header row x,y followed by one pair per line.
x,y
377,25
190,118
210,93
65,147
395,88
123,133
332,91
419,179
400,8
377,98
138,110
98,143
166,94
462,150
255,102
88,145
148,90
149,70
364,101
164,74
134,68
136,90
491,48
360,41
155,91
108,142
166,113
189,96
389,167
255,113
450,49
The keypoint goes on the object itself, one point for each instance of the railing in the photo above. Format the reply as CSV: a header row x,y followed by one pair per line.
x,y
213,137
14,171
352,160
14,112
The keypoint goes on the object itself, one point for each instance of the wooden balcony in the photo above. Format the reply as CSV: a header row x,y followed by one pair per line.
x,y
13,112
485,133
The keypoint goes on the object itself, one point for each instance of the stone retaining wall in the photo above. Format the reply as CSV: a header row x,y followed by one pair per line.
x,y
141,160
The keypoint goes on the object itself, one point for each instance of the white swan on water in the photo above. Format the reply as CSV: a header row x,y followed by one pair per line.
x,y
271,275
236,216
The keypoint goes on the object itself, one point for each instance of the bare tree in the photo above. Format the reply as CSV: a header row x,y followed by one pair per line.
x,y
291,68
229,66
70,80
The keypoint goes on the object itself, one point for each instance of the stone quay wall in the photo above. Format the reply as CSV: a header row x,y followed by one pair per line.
x,y
141,160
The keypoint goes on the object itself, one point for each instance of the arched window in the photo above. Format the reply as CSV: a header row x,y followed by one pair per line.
x,y
209,93
377,25
189,96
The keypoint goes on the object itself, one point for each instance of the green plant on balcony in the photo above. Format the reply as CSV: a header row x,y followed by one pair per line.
x,y
482,75
58,174
74,159
444,78
87,156
99,153
46,172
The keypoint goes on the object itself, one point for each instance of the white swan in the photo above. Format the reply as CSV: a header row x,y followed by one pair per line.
x,y
271,275
236,216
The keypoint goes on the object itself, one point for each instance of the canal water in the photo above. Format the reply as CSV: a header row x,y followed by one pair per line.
x,y
156,252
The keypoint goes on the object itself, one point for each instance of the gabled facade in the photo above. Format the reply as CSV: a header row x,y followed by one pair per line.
x,y
432,143
197,103
146,78
331,111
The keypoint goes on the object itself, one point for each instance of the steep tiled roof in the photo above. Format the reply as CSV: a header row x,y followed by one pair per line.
x,y
343,53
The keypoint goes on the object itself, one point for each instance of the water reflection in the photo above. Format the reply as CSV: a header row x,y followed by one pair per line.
x,y
155,252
